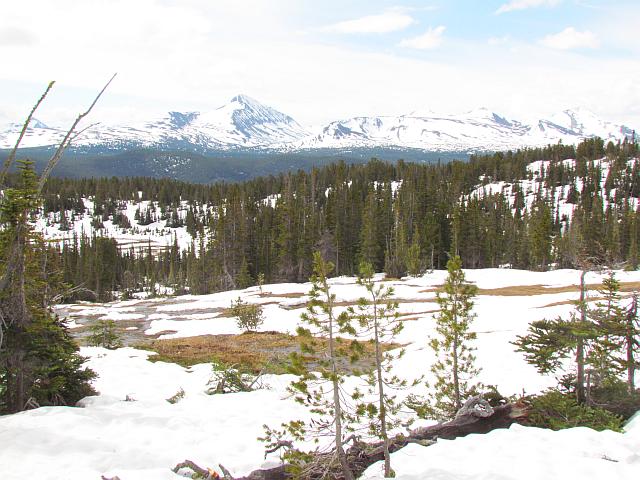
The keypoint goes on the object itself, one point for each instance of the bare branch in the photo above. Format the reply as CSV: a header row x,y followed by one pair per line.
x,y
226,473
67,139
82,131
12,155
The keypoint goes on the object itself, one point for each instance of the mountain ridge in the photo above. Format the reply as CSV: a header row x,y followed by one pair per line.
x,y
246,124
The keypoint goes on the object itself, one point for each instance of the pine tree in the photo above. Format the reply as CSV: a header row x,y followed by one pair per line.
x,y
321,390
39,361
610,321
549,343
377,315
455,368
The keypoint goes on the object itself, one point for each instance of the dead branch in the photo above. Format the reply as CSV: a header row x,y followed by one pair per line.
x,y
12,155
205,473
476,416
53,161
226,473
278,446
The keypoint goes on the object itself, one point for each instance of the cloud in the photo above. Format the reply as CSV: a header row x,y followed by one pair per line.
x,y
432,38
391,21
524,4
16,37
190,55
570,38
498,40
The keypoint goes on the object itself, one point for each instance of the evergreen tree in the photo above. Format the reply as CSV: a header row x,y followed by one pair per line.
x,y
377,315
455,368
549,343
39,361
321,390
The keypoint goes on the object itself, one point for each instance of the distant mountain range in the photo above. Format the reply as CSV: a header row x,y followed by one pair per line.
x,y
244,125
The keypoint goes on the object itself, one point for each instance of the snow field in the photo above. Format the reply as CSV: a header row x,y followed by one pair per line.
x,y
144,438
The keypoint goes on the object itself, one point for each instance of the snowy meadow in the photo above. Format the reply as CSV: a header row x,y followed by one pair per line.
x,y
132,431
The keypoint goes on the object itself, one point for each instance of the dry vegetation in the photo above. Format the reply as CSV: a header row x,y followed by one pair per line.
x,y
529,290
253,351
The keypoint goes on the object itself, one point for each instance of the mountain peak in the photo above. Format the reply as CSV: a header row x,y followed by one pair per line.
x,y
246,100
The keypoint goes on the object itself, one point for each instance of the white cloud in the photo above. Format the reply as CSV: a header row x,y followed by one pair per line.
x,y
16,36
570,38
387,22
493,41
524,4
432,38
196,54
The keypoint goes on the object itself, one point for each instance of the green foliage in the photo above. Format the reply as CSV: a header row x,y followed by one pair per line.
x,y
557,410
377,315
104,333
249,315
549,342
231,378
601,339
322,390
454,369
351,213
39,360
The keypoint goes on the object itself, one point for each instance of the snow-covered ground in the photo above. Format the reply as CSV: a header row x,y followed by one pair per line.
x,y
142,439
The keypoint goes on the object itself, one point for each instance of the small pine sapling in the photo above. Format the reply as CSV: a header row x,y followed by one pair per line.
x,y
454,369
322,390
550,343
609,319
249,315
377,316
104,333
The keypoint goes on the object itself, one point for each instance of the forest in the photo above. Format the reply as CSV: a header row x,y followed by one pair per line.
x,y
403,218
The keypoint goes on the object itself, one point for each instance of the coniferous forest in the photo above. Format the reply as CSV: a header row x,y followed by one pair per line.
x,y
403,218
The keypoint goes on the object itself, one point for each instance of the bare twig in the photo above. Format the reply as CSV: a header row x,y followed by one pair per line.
x,y
278,446
82,131
7,163
226,473
67,139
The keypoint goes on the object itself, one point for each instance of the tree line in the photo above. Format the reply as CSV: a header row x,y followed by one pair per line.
x,y
403,218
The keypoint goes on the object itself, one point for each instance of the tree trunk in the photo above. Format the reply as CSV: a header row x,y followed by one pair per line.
x,y
382,407
580,393
476,416
336,392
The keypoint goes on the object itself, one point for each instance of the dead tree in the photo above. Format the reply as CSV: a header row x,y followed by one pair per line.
x,y
476,416
13,302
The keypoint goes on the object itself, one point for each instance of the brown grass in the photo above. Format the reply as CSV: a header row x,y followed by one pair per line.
x,y
351,303
530,290
406,314
250,350
570,302
281,295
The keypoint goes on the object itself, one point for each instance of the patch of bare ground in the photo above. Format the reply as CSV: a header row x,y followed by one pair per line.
x,y
413,314
281,295
351,303
530,290
252,350
570,302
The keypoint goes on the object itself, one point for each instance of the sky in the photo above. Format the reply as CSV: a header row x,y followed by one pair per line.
x,y
321,61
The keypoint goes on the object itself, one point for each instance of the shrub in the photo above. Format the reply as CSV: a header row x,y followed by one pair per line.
x,y
249,315
104,334
557,410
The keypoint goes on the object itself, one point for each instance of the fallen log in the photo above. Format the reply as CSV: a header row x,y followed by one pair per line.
x,y
476,416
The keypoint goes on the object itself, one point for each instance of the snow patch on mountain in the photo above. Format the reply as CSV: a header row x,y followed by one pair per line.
x,y
245,123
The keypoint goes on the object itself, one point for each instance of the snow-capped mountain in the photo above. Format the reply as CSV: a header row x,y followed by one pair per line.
x,y
478,129
245,123
242,123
